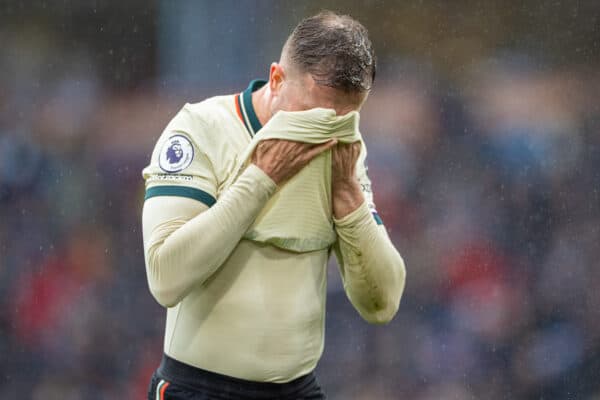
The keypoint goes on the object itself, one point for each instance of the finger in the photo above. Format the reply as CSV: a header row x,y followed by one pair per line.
x,y
348,147
335,150
353,149
357,147
344,151
265,145
318,149
292,147
338,153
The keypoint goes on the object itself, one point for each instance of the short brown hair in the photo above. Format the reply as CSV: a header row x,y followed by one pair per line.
x,y
335,49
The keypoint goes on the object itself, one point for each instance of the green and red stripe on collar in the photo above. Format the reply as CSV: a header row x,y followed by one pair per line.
x,y
245,109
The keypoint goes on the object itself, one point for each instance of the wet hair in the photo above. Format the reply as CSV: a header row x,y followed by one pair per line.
x,y
335,50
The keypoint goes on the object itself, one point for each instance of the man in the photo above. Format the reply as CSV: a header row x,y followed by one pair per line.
x,y
245,320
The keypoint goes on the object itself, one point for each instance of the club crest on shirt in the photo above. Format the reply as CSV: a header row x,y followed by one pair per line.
x,y
176,154
372,207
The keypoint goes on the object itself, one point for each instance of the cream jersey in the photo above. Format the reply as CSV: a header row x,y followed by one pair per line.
x,y
237,307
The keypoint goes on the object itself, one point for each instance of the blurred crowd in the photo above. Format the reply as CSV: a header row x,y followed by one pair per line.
x,y
488,184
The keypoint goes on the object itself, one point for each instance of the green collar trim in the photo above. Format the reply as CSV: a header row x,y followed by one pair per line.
x,y
249,113
240,109
378,219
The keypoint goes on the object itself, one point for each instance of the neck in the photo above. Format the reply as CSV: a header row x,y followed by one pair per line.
x,y
261,105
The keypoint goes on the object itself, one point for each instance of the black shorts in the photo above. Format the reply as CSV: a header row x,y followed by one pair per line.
x,y
174,380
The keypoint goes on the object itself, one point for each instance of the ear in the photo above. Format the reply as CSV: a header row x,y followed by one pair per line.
x,y
276,77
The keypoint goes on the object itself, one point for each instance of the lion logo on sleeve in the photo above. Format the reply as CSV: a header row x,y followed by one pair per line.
x,y
176,154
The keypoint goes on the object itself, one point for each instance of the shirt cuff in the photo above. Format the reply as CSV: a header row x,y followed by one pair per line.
x,y
357,217
259,178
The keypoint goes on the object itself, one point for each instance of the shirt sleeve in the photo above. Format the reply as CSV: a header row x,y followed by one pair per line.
x,y
179,253
181,207
365,185
372,270
180,166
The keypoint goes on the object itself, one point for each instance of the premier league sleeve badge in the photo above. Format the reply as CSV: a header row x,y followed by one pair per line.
x,y
176,154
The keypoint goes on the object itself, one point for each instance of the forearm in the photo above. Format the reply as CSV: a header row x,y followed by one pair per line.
x,y
372,269
347,197
181,253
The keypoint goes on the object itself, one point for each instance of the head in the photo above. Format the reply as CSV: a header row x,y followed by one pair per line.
x,y
328,62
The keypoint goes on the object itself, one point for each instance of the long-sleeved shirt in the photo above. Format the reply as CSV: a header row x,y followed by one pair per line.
x,y
234,306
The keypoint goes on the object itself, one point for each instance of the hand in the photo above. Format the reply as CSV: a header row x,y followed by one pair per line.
x,y
345,187
282,159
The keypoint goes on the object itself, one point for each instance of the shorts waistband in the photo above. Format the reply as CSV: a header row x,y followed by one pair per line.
x,y
203,380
